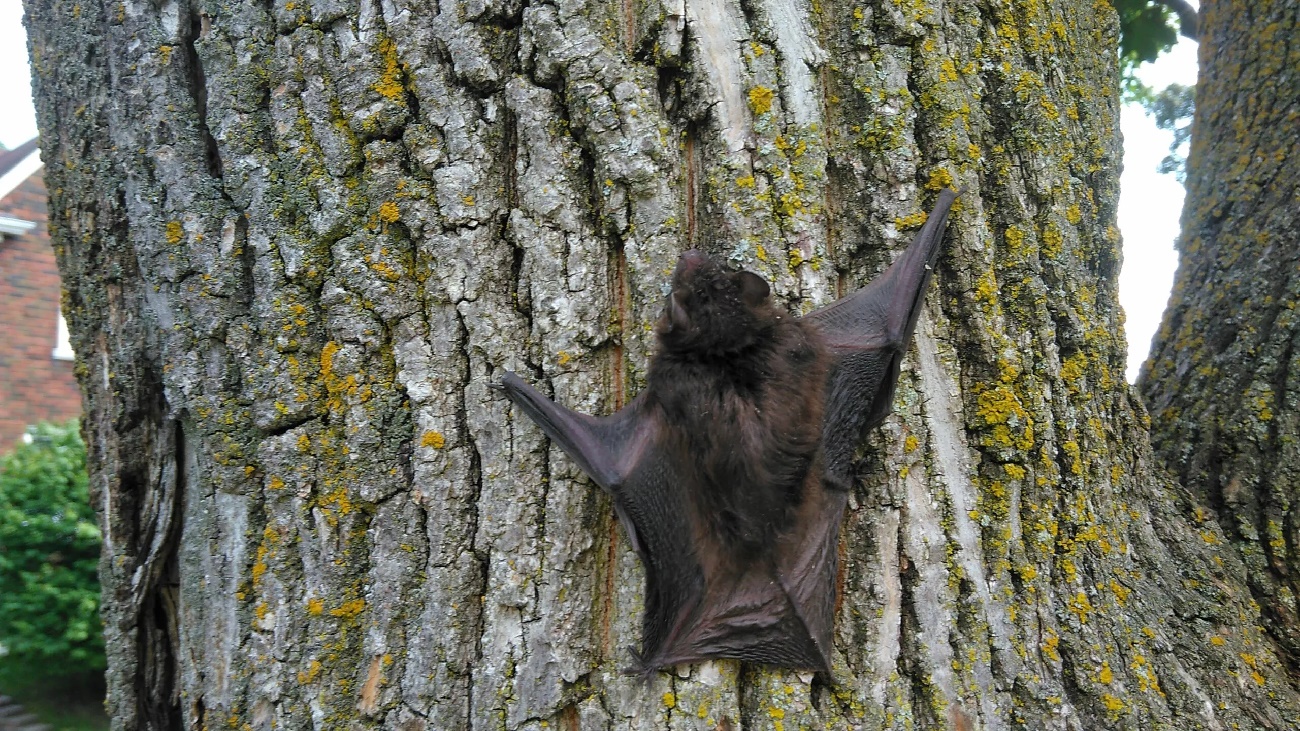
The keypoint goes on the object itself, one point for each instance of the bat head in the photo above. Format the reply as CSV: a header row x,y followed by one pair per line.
x,y
715,309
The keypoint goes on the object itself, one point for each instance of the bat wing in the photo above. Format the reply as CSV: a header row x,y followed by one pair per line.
x,y
624,453
868,332
606,448
807,566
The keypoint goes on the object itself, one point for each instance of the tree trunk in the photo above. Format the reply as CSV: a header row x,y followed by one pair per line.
x,y
300,242
1223,381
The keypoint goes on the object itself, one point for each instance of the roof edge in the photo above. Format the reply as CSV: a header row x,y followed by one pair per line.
x,y
19,171
10,226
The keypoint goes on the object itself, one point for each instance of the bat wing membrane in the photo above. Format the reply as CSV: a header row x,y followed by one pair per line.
x,y
868,332
606,448
624,455
883,313
807,566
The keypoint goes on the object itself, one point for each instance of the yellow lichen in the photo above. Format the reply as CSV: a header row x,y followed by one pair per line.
x,y
760,99
908,222
1081,607
1050,643
939,179
390,81
986,288
1052,241
349,609
1120,591
311,673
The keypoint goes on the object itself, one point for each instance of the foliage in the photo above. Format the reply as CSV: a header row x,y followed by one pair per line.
x,y
1173,109
49,552
1146,30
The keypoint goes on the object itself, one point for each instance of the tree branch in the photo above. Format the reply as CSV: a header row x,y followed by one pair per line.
x,y
1188,19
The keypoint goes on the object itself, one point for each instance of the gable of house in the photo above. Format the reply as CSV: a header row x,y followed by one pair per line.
x,y
36,370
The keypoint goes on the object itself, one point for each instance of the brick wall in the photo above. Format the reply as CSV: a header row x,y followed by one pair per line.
x,y
33,385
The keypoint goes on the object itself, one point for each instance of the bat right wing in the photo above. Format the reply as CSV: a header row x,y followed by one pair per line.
x,y
868,332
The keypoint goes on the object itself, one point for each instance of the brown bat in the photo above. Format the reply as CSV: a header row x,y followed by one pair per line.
x,y
730,471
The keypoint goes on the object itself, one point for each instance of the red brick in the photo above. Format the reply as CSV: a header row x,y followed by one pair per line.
x,y
34,386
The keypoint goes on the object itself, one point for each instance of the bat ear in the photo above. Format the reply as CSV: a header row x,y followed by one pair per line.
x,y
675,314
753,290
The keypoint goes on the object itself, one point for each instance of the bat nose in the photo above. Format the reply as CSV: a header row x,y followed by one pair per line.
x,y
690,259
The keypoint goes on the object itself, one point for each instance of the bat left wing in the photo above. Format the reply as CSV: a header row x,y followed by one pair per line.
x,y
868,332
625,454
606,448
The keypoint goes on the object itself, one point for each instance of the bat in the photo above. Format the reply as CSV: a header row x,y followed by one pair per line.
x,y
730,471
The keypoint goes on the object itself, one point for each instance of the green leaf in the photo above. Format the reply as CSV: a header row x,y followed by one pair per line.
x,y
49,551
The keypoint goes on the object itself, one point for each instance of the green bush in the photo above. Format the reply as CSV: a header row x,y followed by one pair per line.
x,y
49,550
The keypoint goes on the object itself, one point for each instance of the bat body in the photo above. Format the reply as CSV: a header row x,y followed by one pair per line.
x,y
730,471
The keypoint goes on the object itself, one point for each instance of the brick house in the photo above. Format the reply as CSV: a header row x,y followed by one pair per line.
x,y
36,377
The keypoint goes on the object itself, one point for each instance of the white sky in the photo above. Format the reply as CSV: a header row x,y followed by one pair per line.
x,y
1150,203
1149,206
18,118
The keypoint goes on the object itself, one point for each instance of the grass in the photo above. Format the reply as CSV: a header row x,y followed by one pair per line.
x,y
65,703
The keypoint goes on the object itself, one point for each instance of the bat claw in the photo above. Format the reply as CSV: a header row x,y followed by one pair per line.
x,y
500,383
638,666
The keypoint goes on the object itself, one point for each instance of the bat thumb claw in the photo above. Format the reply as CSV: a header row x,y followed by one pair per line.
x,y
500,384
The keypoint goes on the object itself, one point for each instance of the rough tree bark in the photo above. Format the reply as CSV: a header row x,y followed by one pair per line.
x,y
1223,381
299,239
